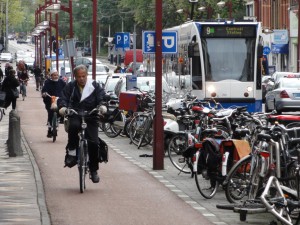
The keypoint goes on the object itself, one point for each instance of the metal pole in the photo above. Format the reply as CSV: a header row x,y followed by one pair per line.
x,y
134,50
56,39
71,33
99,41
94,39
298,58
158,146
6,26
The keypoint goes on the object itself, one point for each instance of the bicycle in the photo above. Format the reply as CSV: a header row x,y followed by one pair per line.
x,y
82,154
23,84
282,201
55,117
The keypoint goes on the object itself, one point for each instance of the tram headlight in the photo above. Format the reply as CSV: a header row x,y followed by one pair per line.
x,y
211,89
249,89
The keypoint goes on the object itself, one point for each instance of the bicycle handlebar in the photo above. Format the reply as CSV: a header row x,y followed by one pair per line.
x,y
70,111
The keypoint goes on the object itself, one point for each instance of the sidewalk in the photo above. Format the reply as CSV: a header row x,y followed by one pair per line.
x,y
22,199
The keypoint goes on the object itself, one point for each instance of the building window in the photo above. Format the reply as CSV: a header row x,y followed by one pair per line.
x,y
250,9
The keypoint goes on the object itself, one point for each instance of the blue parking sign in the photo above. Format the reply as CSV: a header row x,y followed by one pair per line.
x,y
122,40
169,42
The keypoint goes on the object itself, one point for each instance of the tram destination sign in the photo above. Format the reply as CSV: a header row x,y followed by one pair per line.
x,y
227,31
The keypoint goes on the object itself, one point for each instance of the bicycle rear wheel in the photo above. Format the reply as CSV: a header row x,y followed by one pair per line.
x,y
137,129
237,187
54,126
176,147
206,184
82,165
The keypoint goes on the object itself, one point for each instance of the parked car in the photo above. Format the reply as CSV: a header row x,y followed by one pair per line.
x,y
85,61
63,65
6,56
111,82
264,82
11,37
285,96
143,83
86,51
101,69
278,75
29,61
101,73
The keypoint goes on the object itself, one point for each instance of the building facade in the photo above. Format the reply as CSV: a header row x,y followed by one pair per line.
x,y
280,17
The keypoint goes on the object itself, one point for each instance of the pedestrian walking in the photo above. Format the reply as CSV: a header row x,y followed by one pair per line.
x,y
9,86
38,77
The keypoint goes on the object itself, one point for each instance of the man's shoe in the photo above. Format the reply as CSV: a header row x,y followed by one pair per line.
x,y
49,134
94,177
70,161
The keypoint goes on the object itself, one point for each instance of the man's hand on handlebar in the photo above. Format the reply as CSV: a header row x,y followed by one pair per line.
x,y
62,111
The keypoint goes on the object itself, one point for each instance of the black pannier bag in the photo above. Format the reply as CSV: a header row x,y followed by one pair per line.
x,y
210,156
102,151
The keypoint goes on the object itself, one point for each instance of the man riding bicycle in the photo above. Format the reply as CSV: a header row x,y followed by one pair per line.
x,y
53,87
82,94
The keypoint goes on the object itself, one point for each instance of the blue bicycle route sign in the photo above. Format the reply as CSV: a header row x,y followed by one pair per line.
x,y
169,42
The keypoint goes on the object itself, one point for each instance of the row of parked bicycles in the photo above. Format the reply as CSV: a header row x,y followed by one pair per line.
x,y
253,157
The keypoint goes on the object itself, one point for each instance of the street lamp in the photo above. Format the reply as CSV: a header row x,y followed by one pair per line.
x,y
55,8
222,4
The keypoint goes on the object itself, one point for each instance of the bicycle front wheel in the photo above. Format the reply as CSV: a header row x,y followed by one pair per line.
x,y
82,165
206,183
176,147
23,91
54,126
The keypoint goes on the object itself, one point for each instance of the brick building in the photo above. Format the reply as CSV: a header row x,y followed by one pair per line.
x,y
280,16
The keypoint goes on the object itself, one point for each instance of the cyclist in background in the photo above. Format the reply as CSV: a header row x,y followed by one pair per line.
x,y
82,94
53,87
23,76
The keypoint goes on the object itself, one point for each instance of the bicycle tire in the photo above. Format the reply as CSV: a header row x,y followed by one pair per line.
x,y
136,129
145,138
54,126
237,181
1,114
256,182
23,92
206,185
113,129
82,165
176,147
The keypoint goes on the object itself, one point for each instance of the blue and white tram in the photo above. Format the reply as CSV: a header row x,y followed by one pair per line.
x,y
223,60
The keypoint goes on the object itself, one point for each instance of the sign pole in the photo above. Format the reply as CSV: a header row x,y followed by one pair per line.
x,y
158,142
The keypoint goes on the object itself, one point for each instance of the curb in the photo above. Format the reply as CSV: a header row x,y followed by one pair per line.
x,y
41,200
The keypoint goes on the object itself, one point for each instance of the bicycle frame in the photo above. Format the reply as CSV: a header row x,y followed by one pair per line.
x,y
83,146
